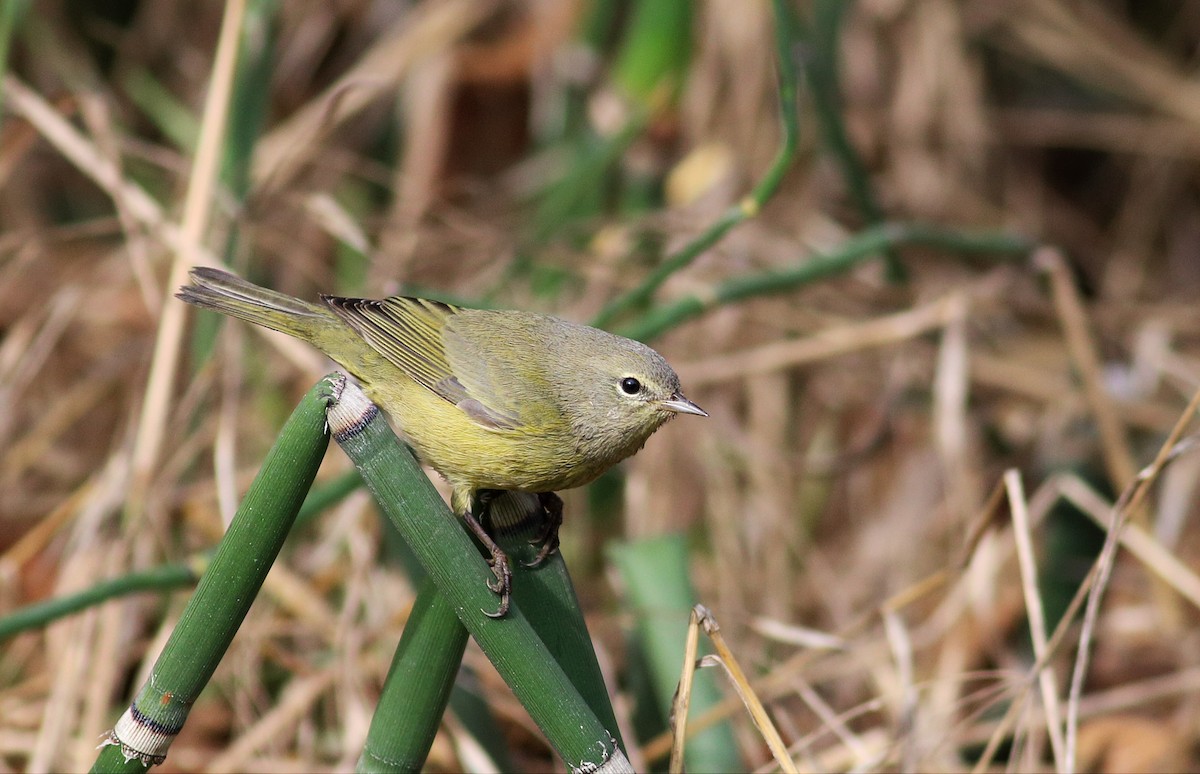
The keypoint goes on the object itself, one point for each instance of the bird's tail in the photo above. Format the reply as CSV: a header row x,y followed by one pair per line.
x,y
229,294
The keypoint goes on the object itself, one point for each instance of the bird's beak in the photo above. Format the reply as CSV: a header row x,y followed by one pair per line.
x,y
681,405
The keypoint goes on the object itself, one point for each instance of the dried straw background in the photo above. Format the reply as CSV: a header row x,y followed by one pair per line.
x,y
857,426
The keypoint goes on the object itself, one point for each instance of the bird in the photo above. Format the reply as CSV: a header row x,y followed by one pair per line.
x,y
493,400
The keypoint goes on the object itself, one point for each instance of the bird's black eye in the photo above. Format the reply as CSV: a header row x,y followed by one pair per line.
x,y
630,386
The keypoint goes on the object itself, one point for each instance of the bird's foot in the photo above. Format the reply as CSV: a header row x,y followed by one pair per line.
x,y
552,504
499,563
502,569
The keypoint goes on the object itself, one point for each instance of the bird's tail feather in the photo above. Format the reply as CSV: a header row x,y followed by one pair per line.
x,y
229,294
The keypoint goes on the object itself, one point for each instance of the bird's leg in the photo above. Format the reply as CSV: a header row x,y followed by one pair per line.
x,y
498,561
552,504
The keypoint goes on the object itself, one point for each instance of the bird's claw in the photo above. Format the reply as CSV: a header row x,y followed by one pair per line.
x,y
502,569
552,504
549,546
499,563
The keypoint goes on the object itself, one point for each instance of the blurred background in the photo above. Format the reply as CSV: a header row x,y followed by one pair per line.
x,y
550,156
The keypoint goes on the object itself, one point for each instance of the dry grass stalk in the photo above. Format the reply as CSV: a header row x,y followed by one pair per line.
x,y
701,618
1130,500
1036,613
197,208
1117,457
380,69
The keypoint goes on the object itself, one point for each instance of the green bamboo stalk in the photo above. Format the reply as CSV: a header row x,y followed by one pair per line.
x,y
752,203
427,660
409,500
865,245
438,625
547,598
654,574
417,686
223,596
164,578
823,78
465,702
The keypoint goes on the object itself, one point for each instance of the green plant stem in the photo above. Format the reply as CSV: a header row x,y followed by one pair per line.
x,y
409,500
11,12
655,50
164,578
824,80
170,115
748,207
659,594
417,686
427,661
250,97
224,595
547,598
327,495
865,245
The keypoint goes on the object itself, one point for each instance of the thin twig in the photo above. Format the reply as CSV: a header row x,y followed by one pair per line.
x,y
196,210
1117,457
683,694
1034,611
1129,501
779,679
1156,557
741,684
902,652
832,721
752,203
830,342
864,246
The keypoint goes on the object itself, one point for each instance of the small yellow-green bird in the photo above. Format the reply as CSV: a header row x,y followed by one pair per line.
x,y
492,400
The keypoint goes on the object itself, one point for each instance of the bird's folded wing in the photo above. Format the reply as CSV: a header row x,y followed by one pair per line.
x,y
409,332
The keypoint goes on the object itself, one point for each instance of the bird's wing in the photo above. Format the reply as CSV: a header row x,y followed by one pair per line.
x,y
409,333
500,359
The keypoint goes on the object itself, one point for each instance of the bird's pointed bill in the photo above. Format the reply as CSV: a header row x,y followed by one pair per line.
x,y
681,405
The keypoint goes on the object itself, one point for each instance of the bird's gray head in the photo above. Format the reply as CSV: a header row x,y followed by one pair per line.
x,y
620,391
